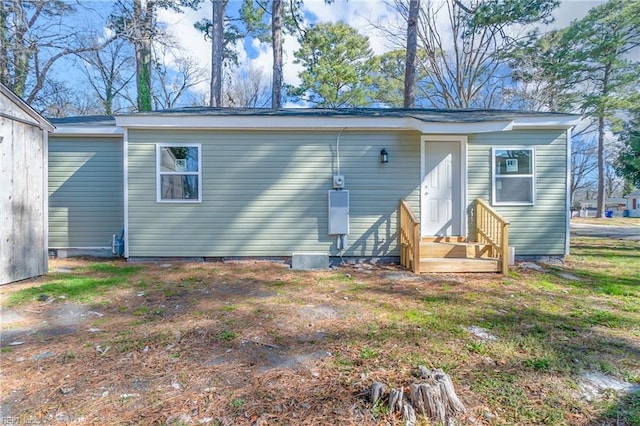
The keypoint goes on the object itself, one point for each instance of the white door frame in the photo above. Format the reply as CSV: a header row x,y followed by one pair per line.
x,y
462,140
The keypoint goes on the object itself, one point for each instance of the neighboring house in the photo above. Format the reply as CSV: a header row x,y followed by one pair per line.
x,y
633,203
614,206
23,199
220,183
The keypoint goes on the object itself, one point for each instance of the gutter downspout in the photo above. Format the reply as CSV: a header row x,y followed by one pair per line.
x,y
567,242
45,198
125,180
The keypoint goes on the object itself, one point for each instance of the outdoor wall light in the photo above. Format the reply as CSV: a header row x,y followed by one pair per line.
x,y
384,156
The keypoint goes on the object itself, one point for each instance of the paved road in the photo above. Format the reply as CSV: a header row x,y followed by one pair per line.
x,y
606,231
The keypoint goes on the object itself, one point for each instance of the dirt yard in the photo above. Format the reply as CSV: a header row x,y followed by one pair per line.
x,y
259,344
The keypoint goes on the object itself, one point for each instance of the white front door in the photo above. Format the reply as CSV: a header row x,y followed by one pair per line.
x,y
441,189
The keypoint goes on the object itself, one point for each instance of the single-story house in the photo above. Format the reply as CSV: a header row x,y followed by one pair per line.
x,y
227,183
23,179
613,206
633,203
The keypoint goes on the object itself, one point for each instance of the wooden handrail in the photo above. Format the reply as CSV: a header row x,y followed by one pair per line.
x,y
409,238
493,230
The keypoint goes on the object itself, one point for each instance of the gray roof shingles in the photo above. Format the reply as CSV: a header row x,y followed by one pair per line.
x,y
425,115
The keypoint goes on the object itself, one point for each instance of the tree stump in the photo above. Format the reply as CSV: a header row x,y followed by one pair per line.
x,y
378,391
435,398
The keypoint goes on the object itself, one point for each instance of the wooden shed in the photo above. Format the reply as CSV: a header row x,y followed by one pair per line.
x,y
23,189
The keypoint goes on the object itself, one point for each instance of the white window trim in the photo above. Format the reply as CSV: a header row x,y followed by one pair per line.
x,y
159,173
494,175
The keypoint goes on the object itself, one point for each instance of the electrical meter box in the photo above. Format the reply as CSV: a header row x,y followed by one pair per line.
x,y
338,212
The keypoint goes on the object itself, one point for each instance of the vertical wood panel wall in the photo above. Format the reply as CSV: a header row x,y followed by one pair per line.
x,y
23,252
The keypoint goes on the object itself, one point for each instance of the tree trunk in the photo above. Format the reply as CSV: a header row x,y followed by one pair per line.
x,y
410,62
144,21
22,52
601,189
4,47
601,112
276,35
217,49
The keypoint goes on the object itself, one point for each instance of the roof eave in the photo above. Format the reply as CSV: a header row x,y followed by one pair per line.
x,y
308,123
95,131
542,123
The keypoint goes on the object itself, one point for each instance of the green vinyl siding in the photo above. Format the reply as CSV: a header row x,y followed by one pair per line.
x,y
264,193
537,230
85,191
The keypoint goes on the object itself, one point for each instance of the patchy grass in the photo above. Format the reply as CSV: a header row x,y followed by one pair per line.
x,y
87,284
255,342
609,221
608,266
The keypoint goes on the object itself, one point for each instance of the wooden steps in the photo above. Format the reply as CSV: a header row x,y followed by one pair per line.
x,y
454,254
454,250
459,265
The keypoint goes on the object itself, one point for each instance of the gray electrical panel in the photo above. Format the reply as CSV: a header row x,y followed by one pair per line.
x,y
338,212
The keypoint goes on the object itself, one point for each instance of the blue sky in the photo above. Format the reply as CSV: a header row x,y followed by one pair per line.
x,y
258,56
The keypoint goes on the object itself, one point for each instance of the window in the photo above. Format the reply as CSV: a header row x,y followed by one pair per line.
x,y
179,173
513,176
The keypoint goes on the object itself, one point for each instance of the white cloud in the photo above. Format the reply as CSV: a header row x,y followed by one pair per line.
x,y
363,15
193,44
570,10
290,70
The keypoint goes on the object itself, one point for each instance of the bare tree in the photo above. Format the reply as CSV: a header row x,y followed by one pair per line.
x,y
459,64
34,38
174,80
465,44
614,184
249,89
109,72
583,166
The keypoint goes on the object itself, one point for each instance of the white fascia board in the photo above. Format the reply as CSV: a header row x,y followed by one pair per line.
x,y
309,123
465,128
561,122
89,131
263,122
